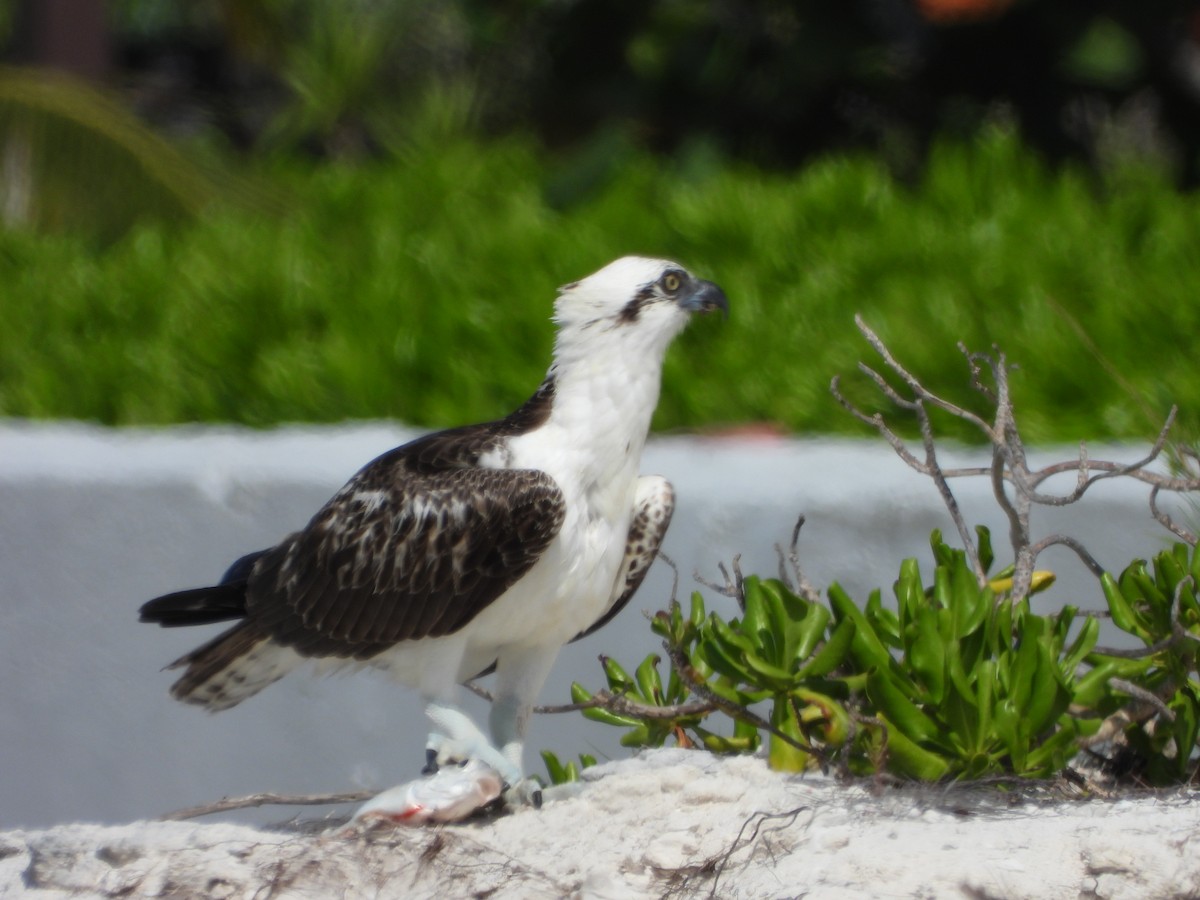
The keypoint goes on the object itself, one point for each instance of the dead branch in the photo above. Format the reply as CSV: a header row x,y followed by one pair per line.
x,y
1143,696
914,385
1015,485
230,803
615,703
1065,540
733,587
1166,521
802,585
675,573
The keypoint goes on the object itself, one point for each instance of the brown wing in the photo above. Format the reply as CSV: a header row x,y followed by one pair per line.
x,y
403,552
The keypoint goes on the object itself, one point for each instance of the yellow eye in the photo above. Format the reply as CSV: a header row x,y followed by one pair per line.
x,y
671,281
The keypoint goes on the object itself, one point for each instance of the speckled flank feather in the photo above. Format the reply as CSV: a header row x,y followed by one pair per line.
x,y
653,508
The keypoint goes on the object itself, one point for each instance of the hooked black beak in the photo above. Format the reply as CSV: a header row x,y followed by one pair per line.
x,y
704,297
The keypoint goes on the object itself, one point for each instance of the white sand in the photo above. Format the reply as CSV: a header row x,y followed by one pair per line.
x,y
668,822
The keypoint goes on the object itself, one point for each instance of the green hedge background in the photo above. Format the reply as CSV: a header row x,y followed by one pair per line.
x,y
420,288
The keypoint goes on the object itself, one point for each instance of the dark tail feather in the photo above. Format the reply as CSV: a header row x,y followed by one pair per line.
x,y
234,665
199,606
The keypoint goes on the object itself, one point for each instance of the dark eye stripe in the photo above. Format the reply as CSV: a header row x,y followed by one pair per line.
x,y
631,310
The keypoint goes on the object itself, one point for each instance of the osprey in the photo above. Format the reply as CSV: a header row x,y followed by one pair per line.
x,y
478,548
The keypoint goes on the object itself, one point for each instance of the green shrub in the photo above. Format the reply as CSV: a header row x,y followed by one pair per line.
x,y
958,681
1159,607
420,289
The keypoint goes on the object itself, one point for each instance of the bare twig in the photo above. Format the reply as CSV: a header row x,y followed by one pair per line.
x,y
914,385
1065,540
1015,485
732,586
230,803
616,703
1108,470
1143,696
1139,652
801,584
1166,521
675,573
787,819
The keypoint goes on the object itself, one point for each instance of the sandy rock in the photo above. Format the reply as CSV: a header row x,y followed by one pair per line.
x,y
670,821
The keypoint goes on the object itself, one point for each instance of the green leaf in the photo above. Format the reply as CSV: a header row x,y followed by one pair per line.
x,y
984,547
1167,572
1008,723
943,553
1049,696
964,680
618,678
1093,687
818,707
719,743
985,695
1121,609
639,737
907,758
910,592
735,639
1089,633
808,631
1186,706
1051,755
865,646
580,695
898,708
782,756
755,620
971,604
943,596
768,675
962,717
716,654
927,654
648,679
1025,664
832,654
554,768
1004,627
885,622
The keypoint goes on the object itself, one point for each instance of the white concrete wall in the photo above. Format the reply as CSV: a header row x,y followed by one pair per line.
x,y
93,522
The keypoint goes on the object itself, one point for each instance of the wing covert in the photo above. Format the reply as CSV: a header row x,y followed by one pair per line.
x,y
399,555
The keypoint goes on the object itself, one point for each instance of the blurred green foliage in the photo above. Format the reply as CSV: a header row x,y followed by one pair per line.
x,y
420,288
73,158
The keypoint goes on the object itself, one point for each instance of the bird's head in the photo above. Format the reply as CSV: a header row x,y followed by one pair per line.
x,y
636,302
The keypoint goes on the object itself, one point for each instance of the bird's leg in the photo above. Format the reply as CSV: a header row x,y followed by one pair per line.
x,y
509,720
519,676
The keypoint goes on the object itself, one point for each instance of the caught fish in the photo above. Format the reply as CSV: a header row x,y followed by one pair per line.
x,y
451,794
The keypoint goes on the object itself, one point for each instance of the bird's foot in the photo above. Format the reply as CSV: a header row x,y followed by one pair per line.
x,y
443,754
444,751
526,792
